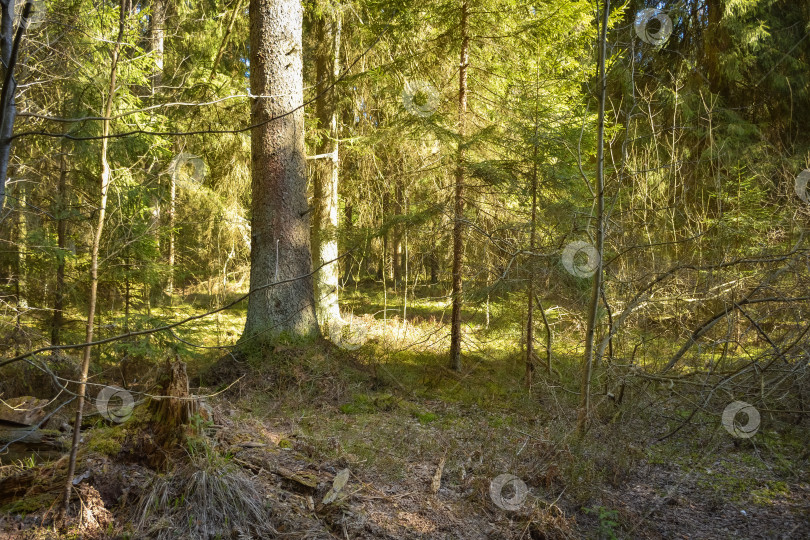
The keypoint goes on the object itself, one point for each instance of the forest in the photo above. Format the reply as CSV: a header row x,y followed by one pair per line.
x,y
360,269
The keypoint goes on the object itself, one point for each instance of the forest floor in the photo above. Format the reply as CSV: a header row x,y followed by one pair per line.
x,y
422,446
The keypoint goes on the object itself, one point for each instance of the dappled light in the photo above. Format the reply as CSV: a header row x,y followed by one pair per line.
x,y
374,269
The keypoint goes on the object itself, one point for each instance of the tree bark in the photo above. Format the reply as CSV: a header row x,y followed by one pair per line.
x,y
714,43
458,240
532,241
170,219
325,186
174,408
6,29
104,182
280,244
348,225
593,308
61,242
157,36
21,286
9,45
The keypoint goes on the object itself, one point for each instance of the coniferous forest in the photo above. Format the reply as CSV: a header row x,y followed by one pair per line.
x,y
359,269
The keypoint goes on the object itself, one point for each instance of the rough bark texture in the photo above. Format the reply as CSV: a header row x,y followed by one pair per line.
x,y
6,40
325,186
458,240
175,407
280,220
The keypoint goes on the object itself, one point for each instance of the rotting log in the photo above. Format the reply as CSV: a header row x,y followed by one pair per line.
x,y
47,438
24,410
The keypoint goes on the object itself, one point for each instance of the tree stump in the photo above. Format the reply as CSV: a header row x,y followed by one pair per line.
x,y
174,407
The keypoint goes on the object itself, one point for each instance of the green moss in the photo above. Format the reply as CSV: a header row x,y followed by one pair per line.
x,y
106,440
369,404
285,443
425,418
770,492
27,505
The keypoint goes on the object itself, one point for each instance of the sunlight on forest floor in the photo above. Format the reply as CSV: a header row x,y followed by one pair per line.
x,y
391,411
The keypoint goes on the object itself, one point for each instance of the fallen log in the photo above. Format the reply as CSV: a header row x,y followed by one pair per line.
x,y
47,438
23,410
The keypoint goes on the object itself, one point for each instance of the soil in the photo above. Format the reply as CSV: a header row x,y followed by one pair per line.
x,y
655,501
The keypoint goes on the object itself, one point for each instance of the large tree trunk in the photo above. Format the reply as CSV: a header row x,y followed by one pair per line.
x,y
325,221
458,240
104,182
593,308
280,249
6,40
9,46
714,43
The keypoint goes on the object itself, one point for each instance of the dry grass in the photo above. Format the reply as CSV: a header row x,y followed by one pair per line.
x,y
208,497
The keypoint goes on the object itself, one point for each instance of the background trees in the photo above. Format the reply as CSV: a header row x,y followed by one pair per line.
x,y
702,143
486,180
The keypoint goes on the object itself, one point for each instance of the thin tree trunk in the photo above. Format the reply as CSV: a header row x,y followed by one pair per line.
x,y
396,235
157,37
487,265
170,219
325,223
237,10
458,240
91,305
280,243
548,334
530,307
348,217
384,266
61,240
593,308
21,273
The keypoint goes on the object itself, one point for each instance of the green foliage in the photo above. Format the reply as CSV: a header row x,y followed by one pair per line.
x,y
607,521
